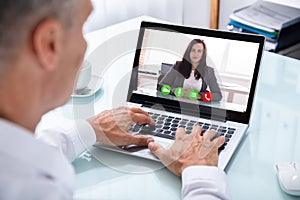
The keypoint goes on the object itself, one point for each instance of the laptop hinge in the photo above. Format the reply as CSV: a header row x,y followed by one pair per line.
x,y
221,118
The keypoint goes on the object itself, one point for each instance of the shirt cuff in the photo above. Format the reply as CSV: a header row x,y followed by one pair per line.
x,y
204,182
84,138
203,172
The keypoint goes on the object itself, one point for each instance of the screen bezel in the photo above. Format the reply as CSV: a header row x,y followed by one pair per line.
x,y
175,106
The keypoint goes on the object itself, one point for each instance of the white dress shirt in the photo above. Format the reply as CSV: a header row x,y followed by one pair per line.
x,y
32,169
192,82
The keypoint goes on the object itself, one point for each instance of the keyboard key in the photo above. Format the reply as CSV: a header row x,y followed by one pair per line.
x,y
190,124
159,122
146,132
136,128
199,124
205,127
159,130
214,127
222,130
221,148
175,121
148,128
159,126
173,129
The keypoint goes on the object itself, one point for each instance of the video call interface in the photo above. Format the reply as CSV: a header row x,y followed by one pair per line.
x,y
196,69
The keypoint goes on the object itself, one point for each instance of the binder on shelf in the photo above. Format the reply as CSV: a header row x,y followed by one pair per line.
x,y
278,23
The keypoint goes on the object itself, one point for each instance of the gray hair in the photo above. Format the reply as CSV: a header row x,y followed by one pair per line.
x,y
18,18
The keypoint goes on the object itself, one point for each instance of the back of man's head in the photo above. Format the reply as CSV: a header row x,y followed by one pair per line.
x,y
18,19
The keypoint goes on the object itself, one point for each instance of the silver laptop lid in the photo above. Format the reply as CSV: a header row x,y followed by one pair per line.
x,y
198,72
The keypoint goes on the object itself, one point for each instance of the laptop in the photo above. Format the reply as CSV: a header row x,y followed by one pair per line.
x,y
234,60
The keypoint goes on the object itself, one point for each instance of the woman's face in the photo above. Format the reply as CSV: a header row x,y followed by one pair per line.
x,y
196,53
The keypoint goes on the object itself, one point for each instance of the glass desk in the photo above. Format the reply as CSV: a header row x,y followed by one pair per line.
x,y
273,135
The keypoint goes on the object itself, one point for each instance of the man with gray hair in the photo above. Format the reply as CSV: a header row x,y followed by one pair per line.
x,y
41,50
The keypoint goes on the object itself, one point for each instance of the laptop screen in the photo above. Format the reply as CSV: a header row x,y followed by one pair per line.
x,y
210,69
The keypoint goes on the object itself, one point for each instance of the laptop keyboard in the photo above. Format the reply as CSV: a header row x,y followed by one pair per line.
x,y
166,127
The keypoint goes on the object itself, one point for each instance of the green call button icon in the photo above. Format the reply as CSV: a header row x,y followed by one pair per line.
x,y
179,92
193,94
165,89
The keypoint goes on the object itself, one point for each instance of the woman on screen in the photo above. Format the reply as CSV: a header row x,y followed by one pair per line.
x,y
192,73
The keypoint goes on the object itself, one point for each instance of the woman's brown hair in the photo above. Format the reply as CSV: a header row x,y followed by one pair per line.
x,y
185,66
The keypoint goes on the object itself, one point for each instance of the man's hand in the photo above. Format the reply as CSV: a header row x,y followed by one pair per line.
x,y
112,126
189,150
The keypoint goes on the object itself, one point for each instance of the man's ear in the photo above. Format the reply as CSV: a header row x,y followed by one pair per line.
x,y
47,44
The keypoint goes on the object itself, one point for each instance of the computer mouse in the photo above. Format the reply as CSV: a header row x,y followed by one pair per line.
x,y
288,175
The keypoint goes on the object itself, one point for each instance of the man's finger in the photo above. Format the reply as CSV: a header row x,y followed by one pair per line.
x,y
180,133
140,140
195,135
119,110
157,150
210,134
138,110
220,141
142,119
196,130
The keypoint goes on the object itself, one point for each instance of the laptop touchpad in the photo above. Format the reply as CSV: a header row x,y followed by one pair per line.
x,y
134,148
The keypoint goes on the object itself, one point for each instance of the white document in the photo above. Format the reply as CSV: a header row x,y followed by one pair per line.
x,y
269,15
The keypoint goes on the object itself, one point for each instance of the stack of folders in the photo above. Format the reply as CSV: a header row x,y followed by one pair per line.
x,y
280,24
